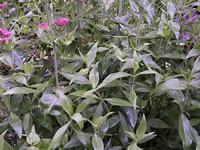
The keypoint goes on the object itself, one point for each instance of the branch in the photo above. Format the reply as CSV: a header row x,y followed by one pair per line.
x,y
54,45
79,25
119,14
2,22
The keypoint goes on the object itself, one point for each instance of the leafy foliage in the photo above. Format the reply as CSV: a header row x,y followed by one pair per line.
x,y
99,74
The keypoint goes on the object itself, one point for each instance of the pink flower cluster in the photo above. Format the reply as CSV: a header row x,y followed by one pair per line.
x,y
4,36
79,0
43,25
3,5
59,22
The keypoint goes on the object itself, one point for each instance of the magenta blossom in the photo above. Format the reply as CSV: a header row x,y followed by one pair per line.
x,y
3,5
5,33
43,25
61,22
4,36
79,0
4,40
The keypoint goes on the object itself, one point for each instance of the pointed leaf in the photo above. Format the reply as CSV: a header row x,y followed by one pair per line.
x,y
94,76
111,78
133,147
16,124
65,102
196,66
19,90
171,9
92,54
58,136
118,102
141,128
97,142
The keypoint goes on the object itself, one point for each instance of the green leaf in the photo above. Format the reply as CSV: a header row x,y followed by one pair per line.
x,y
83,137
133,98
78,75
78,118
65,102
33,138
33,148
183,128
148,72
131,135
20,78
78,80
16,124
163,19
198,146
141,128
112,77
171,9
85,103
94,76
118,102
192,53
27,122
118,52
2,140
187,132
91,55
157,123
19,90
102,27
173,56
58,136
134,6
98,121
47,101
28,68
147,137
97,142
175,28
196,66
173,84
133,147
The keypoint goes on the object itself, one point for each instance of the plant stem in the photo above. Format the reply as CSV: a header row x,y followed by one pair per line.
x,y
2,22
119,14
54,45
79,26
139,24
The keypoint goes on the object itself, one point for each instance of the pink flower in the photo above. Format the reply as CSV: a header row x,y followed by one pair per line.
x,y
3,5
79,0
5,33
61,22
4,36
4,40
43,25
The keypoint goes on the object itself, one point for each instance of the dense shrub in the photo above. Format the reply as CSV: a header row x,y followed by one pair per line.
x,y
99,74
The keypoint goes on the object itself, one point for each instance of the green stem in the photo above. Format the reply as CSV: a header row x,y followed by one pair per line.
x,y
54,45
119,14
79,26
2,22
